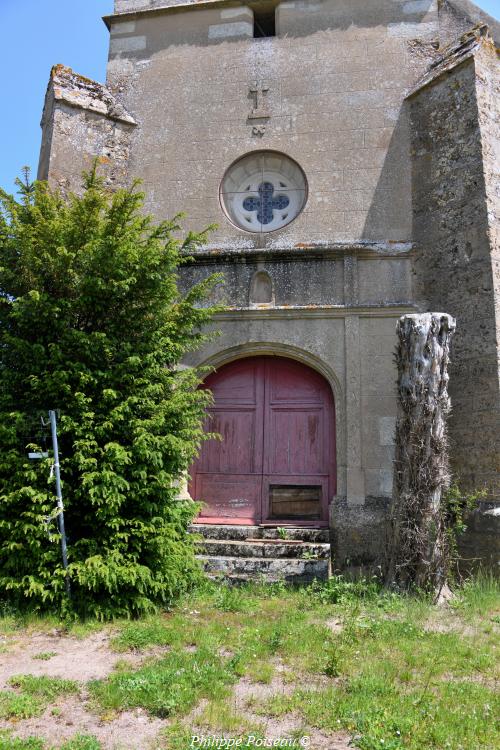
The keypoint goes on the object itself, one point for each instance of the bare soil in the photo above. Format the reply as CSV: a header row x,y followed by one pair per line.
x,y
81,660
75,659
92,658
247,695
128,730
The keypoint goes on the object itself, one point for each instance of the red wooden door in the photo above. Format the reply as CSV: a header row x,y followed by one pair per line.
x,y
276,459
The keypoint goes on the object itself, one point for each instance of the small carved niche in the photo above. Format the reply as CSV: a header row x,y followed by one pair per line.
x,y
261,290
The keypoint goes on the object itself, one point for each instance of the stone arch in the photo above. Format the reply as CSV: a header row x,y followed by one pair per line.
x,y
253,349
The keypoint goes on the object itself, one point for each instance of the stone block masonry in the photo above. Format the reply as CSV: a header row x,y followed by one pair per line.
x,y
336,73
455,127
82,120
397,138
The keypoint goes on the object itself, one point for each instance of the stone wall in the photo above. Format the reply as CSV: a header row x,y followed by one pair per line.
x,y
488,104
354,351
333,84
457,17
479,547
359,536
337,74
130,6
454,256
341,277
81,121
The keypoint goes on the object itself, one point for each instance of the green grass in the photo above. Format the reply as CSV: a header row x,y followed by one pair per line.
x,y
32,695
11,743
394,681
379,714
45,688
392,671
19,706
478,597
152,631
167,686
14,622
82,742
78,742
45,655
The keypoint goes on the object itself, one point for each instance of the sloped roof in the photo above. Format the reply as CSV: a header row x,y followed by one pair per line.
x,y
78,91
455,54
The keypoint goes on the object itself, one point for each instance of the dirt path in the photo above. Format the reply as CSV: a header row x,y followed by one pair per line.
x,y
130,730
92,658
74,659
81,660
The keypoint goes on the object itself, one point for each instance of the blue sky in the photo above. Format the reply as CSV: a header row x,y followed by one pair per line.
x,y
36,34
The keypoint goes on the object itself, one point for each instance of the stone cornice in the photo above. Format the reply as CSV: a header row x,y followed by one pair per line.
x,y
304,251
165,6
282,312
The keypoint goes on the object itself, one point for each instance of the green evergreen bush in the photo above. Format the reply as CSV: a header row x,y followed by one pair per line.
x,y
92,323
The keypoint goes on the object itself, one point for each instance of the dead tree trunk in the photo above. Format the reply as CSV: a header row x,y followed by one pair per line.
x,y
417,550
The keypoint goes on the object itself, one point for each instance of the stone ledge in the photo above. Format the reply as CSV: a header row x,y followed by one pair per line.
x,y
301,251
236,532
77,91
132,8
270,548
316,311
272,569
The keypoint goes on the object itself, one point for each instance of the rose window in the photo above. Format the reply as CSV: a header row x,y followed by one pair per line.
x,y
263,191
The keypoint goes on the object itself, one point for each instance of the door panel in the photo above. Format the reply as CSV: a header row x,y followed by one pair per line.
x,y
236,451
295,441
276,459
229,497
299,447
228,474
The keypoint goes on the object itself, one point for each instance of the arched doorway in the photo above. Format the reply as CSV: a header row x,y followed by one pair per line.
x,y
275,462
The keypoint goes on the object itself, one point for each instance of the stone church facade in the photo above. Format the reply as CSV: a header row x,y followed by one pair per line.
x,y
348,153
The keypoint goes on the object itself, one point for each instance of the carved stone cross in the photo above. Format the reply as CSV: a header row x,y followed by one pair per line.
x,y
259,92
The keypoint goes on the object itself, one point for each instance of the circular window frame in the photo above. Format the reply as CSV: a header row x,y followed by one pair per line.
x,y
262,152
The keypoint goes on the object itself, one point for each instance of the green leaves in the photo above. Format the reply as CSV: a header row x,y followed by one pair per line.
x,y
92,323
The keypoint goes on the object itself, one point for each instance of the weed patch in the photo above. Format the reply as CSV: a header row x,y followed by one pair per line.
x,y
45,655
19,706
45,688
82,742
36,693
13,743
168,686
78,742
478,596
141,635
380,675
378,714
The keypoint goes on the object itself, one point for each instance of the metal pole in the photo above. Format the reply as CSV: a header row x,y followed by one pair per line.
x,y
60,507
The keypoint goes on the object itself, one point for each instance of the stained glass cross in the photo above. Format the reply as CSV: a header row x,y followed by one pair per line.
x,y
265,203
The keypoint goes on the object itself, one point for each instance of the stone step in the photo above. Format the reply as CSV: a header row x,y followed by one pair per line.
x,y
270,548
241,533
270,569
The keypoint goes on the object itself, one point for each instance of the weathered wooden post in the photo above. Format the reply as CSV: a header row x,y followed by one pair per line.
x,y
417,549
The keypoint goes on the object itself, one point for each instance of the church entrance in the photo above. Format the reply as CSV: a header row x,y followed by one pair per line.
x,y
275,462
